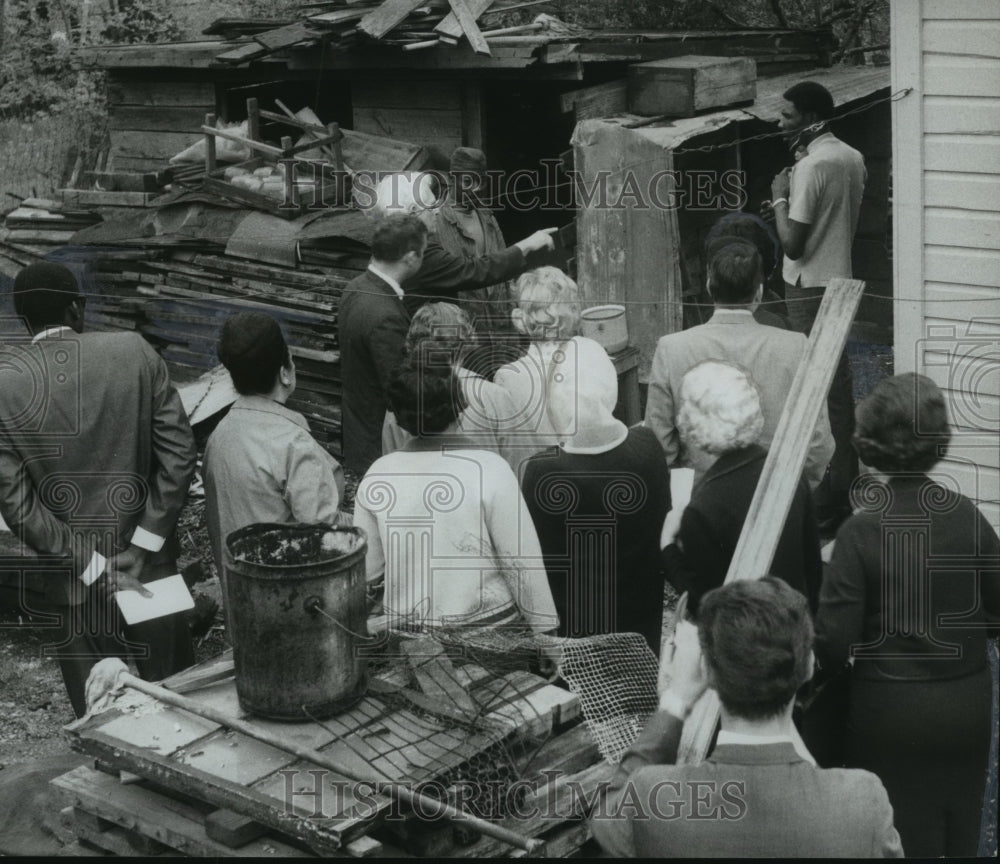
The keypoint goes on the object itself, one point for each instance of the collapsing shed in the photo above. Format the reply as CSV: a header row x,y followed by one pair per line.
x,y
651,191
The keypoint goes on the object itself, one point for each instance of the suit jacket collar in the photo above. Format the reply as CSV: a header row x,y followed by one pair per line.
x,y
379,283
732,316
782,753
385,279
265,405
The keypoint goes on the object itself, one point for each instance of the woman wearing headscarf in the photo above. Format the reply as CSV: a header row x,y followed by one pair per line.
x,y
911,596
598,501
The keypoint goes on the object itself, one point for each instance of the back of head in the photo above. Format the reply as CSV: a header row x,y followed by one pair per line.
x,y
438,331
396,235
902,425
734,273
810,97
548,304
425,400
757,640
253,350
719,409
748,227
42,293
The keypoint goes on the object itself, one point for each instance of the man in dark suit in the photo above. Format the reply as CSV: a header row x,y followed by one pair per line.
x,y
758,795
769,354
96,456
406,271
372,325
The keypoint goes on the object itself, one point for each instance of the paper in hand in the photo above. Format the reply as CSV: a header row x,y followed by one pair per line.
x,y
170,595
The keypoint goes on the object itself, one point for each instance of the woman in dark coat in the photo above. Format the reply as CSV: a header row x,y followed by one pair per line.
x,y
719,421
912,593
598,503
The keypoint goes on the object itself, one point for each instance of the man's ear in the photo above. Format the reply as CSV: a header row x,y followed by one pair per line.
x,y
517,319
708,288
810,667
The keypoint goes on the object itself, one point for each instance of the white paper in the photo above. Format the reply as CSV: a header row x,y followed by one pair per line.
x,y
681,483
170,595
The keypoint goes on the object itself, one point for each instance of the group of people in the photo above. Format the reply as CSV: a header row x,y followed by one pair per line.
x,y
498,494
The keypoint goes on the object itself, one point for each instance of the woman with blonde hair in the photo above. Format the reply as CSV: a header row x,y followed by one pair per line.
x,y
547,313
719,422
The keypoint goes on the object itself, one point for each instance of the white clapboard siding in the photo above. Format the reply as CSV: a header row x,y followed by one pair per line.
x,y
946,75
946,222
962,191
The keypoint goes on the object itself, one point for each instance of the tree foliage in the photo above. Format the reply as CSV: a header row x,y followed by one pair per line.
x,y
40,40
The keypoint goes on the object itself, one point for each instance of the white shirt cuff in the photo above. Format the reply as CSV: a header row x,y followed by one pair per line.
x,y
147,540
94,569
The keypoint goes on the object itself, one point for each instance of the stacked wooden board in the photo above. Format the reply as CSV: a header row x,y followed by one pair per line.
x,y
34,228
185,295
194,786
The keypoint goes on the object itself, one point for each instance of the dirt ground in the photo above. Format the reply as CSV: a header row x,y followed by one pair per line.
x,y
33,702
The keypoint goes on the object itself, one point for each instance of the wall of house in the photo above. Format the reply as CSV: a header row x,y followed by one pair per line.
x,y
946,190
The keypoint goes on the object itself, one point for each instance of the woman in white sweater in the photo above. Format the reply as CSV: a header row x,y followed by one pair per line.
x,y
448,529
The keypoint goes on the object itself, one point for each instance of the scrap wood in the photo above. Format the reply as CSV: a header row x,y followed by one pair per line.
x,y
435,674
271,41
380,21
467,21
114,674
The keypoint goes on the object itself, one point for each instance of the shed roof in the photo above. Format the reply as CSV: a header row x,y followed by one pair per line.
x,y
845,83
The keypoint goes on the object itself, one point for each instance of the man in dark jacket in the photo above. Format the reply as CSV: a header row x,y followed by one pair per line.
x,y
96,456
406,271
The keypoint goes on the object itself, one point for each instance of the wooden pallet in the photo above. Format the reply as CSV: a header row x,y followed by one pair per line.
x,y
396,731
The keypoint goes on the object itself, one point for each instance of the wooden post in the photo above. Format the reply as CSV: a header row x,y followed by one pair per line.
x,y
209,145
780,475
291,191
253,119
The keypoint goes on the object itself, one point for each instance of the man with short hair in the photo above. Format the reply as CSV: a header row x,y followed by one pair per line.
x,y
96,456
406,271
816,207
759,794
372,322
770,355
261,463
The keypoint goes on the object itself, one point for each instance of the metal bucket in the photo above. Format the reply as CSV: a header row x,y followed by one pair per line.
x,y
606,325
298,613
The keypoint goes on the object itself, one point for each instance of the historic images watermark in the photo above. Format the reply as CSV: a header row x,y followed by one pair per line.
x,y
317,793
548,188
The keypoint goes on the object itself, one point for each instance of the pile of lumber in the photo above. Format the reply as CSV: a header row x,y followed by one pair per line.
x,y
412,24
35,227
182,297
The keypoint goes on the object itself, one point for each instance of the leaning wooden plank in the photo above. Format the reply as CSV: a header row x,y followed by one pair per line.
x,y
450,26
392,12
154,815
780,476
467,21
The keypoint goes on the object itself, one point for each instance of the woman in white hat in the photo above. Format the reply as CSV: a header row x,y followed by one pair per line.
x,y
598,502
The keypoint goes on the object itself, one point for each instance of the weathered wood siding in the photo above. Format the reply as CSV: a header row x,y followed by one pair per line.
x,y
152,119
947,222
428,113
